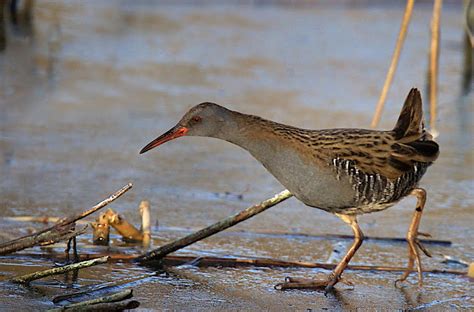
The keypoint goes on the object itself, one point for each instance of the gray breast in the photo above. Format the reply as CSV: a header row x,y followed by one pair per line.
x,y
313,184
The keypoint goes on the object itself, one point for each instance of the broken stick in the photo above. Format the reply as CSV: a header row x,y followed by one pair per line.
x,y
146,222
245,214
26,279
54,235
50,235
214,261
101,231
123,227
100,205
106,306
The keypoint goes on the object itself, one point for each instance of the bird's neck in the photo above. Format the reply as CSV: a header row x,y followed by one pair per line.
x,y
252,133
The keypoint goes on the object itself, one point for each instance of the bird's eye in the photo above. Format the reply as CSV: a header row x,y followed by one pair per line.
x,y
197,119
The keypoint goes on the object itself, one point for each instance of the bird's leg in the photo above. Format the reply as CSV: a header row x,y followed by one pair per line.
x,y
414,245
335,276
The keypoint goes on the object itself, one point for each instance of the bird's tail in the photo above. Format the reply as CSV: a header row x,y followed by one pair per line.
x,y
414,143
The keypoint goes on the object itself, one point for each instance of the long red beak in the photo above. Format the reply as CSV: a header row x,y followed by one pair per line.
x,y
171,134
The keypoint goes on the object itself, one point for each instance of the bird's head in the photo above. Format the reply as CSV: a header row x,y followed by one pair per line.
x,y
205,119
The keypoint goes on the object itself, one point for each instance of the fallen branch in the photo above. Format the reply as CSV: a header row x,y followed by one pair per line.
x,y
50,234
26,279
207,261
106,306
393,63
245,214
118,296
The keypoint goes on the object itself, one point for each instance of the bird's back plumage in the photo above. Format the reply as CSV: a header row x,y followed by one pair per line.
x,y
381,166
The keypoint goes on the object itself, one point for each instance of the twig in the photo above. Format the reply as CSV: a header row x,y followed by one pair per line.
x,y
158,253
54,235
100,205
118,296
61,226
434,61
26,279
146,222
394,63
38,219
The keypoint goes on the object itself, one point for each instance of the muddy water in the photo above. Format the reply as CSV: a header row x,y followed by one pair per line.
x,y
96,81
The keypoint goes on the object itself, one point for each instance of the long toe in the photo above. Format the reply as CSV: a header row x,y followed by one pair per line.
x,y
325,284
398,282
309,284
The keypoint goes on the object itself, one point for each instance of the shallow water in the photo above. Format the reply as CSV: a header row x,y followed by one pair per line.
x,y
95,81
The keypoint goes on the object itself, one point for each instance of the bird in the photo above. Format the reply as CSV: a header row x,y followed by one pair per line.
x,y
345,171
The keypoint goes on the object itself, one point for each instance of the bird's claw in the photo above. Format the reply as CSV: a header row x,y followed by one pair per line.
x,y
414,258
400,280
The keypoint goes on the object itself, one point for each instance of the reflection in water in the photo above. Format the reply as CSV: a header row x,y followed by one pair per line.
x,y
337,301
15,81
3,25
21,17
71,278
54,49
16,17
411,298
465,124
468,64
468,46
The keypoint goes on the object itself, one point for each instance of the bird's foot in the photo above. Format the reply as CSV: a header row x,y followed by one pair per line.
x,y
326,284
414,245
